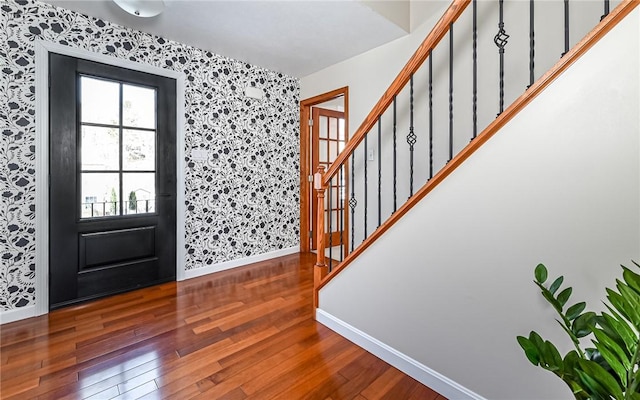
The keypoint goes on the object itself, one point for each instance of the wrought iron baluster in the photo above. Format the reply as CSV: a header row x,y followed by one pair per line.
x,y
475,69
395,159
411,137
352,201
341,209
430,114
379,171
366,160
566,28
606,9
532,43
330,216
450,91
500,40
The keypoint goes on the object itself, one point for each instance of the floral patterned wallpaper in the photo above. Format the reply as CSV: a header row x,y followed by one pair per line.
x,y
243,201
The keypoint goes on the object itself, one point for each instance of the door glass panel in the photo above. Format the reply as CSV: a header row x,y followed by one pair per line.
x,y
139,192
139,149
333,150
99,101
323,144
99,197
138,106
341,135
99,148
323,128
333,128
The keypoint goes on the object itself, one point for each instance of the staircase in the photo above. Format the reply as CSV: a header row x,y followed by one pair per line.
x,y
421,132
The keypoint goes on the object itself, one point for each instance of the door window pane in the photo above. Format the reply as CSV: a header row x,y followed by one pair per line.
x,y
99,148
139,149
99,101
138,107
99,197
323,129
139,191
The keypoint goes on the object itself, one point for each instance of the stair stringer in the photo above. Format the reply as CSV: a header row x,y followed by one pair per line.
x,y
449,284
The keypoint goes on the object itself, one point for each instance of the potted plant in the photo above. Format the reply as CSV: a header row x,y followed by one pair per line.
x,y
610,369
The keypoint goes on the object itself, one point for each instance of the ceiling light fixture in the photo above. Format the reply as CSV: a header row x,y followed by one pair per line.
x,y
141,8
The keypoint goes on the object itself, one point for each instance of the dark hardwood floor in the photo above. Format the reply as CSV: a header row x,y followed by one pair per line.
x,y
246,333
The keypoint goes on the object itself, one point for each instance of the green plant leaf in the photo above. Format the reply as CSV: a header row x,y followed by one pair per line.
x,y
549,297
631,303
556,284
613,362
596,391
563,296
632,279
621,305
536,339
599,374
611,344
574,311
621,326
552,357
540,273
583,325
530,350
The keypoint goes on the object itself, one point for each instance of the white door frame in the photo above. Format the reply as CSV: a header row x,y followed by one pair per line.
x,y
42,49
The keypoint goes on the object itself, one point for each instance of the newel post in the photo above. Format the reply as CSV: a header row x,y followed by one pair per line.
x,y
320,269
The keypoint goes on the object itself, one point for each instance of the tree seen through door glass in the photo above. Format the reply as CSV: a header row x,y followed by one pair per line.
x,y
139,191
118,163
100,196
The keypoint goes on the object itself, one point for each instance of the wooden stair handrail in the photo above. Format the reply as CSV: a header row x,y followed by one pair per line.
x,y
603,27
429,43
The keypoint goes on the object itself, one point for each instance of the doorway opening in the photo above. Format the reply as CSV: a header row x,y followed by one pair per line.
x,y
324,131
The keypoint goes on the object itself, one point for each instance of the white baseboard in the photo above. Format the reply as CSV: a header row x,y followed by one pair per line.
x,y
409,366
17,314
193,273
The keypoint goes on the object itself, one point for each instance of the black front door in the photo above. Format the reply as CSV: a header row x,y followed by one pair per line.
x,y
112,192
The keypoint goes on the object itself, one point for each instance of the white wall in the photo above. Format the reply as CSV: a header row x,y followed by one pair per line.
x,y
450,284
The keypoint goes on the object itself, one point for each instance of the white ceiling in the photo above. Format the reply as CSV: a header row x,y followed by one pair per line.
x,y
293,37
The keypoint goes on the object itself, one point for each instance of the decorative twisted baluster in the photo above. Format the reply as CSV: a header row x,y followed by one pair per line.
x,y
566,28
450,92
606,9
500,40
366,195
395,159
379,171
352,201
341,210
475,69
330,217
430,114
411,137
532,43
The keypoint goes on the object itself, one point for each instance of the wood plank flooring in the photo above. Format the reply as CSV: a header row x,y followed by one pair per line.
x,y
246,333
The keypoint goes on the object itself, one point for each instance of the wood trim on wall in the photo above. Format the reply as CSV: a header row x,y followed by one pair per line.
x,y
305,155
606,25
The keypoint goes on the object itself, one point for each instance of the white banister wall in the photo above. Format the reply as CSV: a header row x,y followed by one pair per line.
x,y
450,284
